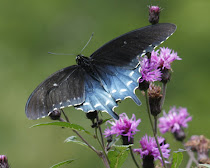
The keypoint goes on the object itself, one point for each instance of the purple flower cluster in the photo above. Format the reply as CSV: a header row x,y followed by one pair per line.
x,y
124,126
151,67
149,147
174,120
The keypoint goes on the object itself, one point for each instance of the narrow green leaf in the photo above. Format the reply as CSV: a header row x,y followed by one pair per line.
x,y
62,163
177,159
118,156
74,140
64,124
104,121
206,165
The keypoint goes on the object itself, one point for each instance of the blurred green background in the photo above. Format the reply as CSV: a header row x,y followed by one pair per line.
x,y
29,29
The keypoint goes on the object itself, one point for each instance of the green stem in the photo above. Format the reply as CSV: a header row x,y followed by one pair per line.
x,y
99,127
164,86
150,119
104,152
131,151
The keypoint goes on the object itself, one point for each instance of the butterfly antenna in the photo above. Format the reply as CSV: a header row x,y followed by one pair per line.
x,y
59,53
87,42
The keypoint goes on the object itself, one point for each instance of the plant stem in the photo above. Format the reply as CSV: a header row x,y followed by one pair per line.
x,y
155,123
99,127
150,119
91,147
131,151
164,86
104,152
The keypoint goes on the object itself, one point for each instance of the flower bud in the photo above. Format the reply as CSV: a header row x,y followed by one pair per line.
x,y
126,141
148,161
144,85
55,115
154,12
179,135
155,96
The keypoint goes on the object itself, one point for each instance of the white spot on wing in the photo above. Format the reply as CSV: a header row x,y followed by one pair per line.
x,y
131,74
107,102
113,91
86,104
97,105
55,84
129,83
123,90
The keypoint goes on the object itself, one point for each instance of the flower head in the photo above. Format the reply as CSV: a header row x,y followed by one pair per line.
x,y
124,126
150,148
158,65
175,120
201,145
149,68
3,161
167,56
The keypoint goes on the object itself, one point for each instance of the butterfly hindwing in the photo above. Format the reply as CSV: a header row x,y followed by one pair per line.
x,y
63,88
96,98
120,82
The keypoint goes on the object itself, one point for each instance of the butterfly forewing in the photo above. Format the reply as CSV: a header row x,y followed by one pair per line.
x,y
123,50
63,88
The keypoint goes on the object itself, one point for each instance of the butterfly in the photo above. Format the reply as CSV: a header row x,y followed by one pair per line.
x,y
98,82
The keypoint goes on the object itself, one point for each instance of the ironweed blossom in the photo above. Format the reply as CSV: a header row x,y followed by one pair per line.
x,y
4,162
150,148
124,126
175,120
155,67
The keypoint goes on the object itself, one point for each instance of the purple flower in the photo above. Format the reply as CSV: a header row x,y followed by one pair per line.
x,y
167,56
149,68
149,147
152,69
175,120
3,161
124,126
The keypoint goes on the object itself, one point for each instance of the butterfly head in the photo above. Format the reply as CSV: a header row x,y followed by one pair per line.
x,y
82,60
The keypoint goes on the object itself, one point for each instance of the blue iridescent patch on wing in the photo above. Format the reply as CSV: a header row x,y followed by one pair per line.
x,y
113,84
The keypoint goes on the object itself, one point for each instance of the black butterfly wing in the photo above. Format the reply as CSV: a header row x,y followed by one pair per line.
x,y
61,89
123,50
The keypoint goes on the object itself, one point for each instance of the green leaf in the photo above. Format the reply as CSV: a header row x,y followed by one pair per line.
x,y
74,140
104,121
62,163
118,156
206,165
177,159
64,124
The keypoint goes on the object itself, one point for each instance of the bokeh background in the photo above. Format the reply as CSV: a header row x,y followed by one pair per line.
x,y
29,29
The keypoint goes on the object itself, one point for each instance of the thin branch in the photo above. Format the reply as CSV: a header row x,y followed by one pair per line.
x,y
131,151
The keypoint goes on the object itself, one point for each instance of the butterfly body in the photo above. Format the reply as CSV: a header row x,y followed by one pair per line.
x,y
98,82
